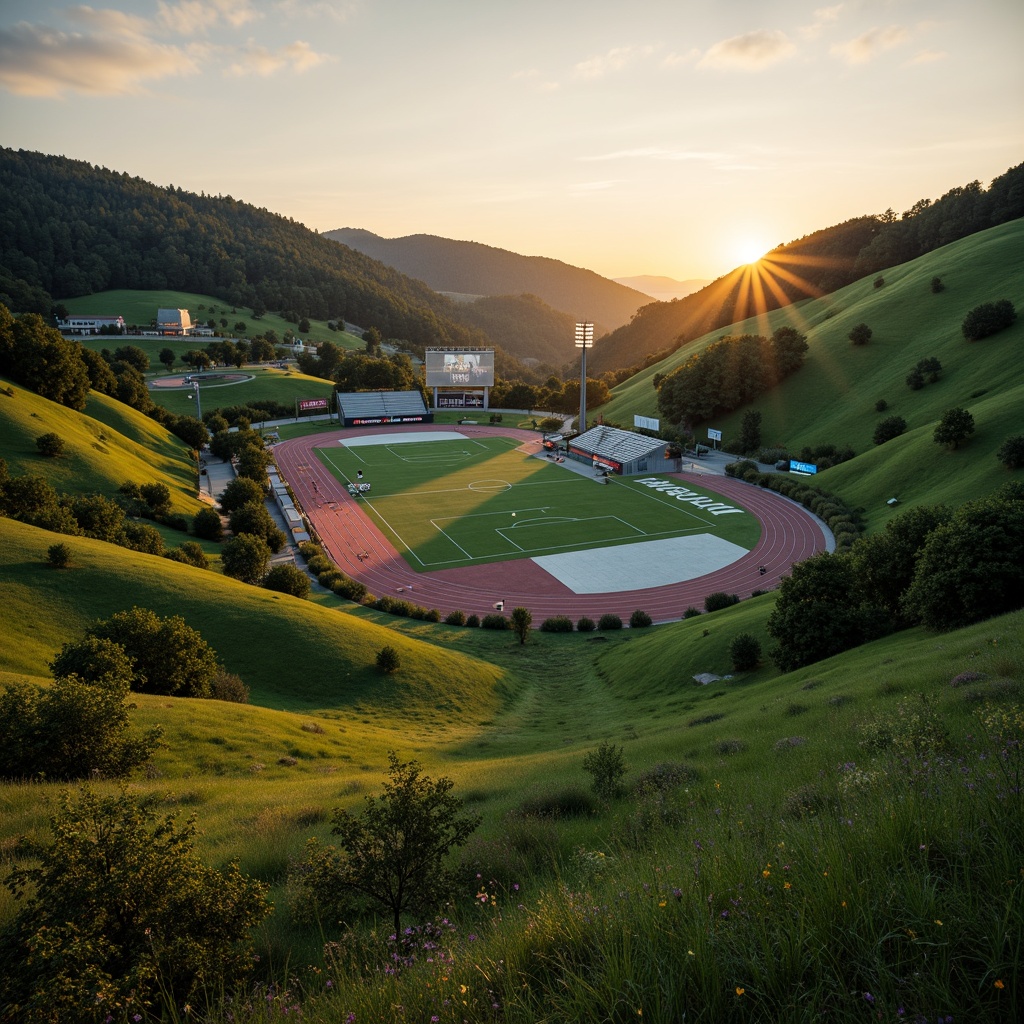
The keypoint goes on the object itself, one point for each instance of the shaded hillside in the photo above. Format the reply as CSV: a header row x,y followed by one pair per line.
x,y
813,265
524,326
69,229
475,269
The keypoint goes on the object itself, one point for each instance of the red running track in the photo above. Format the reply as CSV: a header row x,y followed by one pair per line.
x,y
789,534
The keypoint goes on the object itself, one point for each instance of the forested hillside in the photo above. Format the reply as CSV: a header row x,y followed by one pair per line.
x,y
475,269
69,229
813,265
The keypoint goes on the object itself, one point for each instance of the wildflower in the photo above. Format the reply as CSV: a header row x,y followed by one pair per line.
x,y
740,991
869,998
788,885
765,873
661,903
999,983
690,952
938,922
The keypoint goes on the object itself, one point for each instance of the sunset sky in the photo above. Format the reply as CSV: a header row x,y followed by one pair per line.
x,y
670,137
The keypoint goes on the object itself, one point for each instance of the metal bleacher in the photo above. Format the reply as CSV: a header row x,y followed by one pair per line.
x,y
371,404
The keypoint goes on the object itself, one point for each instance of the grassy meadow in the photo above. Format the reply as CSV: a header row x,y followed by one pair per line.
x,y
840,843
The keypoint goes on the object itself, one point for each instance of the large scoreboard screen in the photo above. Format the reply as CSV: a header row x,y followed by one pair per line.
x,y
447,368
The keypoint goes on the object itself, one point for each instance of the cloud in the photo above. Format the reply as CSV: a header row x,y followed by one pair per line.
x,y
534,77
38,61
753,51
927,57
822,16
196,17
258,60
675,59
869,45
611,62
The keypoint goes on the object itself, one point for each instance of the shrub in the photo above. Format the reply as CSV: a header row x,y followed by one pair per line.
x,y
745,651
456,618
318,564
887,429
740,467
495,621
557,624
287,579
988,318
432,615
606,766
609,621
1011,452
51,445
860,335
190,553
719,600
585,625
881,405
229,687
473,621
207,525
246,558
691,612
937,285
388,660
568,802
350,588
639,620
665,777
308,549
130,918
879,281
58,556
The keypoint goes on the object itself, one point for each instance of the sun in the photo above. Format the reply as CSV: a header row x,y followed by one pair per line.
x,y
749,250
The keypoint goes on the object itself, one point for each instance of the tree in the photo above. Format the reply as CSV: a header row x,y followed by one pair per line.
x,y
206,524
168,656
819,613
133,356
606,766
254,519
969,568
988,318
937,285
955,426
192,431
246,558
241,491
287,579
745,651
119,915
157,496
861,334
388,660
750,433
51,445
167,358
1011,452
58,556
373,339
887,429
522,618
394,853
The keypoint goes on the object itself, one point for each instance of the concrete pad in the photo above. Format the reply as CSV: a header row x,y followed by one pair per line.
x,y
652,563
417,438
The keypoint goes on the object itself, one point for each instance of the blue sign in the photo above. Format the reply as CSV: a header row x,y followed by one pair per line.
x,y
802,467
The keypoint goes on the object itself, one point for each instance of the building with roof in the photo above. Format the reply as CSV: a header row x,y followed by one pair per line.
x,y
173,322
611,450
361,408
92,325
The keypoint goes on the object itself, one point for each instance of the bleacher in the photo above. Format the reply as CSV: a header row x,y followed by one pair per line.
x,y
383,407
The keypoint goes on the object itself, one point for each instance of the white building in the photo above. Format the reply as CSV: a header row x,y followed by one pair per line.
x,y
90,324
173,321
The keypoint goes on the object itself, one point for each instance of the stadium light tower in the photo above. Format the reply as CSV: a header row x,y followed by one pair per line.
x,y
195,395
584,340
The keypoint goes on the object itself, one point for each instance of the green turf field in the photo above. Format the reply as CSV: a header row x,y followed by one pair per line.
x,y
454,503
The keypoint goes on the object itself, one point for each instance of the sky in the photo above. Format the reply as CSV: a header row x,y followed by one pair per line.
x,y
679,138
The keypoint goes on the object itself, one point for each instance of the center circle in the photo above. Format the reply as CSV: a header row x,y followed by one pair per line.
x,y
490,485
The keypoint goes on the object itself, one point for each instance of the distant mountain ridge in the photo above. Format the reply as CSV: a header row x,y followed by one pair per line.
x,y
664,289
472,268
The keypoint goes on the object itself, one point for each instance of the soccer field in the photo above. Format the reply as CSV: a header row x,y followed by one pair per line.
x,y
473,500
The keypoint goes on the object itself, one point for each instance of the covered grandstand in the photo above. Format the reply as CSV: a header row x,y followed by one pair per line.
x,y
364,408
611,450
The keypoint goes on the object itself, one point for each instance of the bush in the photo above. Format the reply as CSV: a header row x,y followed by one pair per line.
x,y
745,651
664,777
495,621
739,468
887,429
988,318
609,621
58,556
568,802
881,405
937,285
51,445
456,618
119,915
473,621
879,281
388,660
308,549
719,600
639,620
349,588
557,624
229,687
691,612
246,558
585,625
606,766
1011,452
207,525
189,553
287,579
860,335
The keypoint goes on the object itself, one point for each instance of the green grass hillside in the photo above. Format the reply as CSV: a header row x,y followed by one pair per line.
x,y
107,444
832,398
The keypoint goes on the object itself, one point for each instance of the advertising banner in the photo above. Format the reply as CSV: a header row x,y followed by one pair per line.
x,y
312,404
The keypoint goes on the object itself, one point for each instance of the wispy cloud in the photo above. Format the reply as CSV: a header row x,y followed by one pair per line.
x,y
192,17
927,57
611,62
822,16
656,153
752,51
39,61
536,79
869,45
258,60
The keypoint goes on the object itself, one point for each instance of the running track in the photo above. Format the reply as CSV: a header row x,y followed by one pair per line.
x,y
789,534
